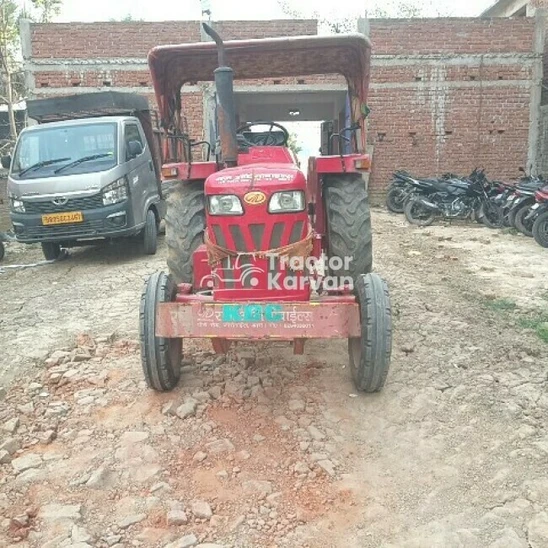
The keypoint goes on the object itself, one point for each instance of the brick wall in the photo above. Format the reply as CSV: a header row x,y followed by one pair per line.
x,y
446,94
470,108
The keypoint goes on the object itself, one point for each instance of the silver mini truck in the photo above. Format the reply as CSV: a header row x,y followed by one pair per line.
x,y
87,171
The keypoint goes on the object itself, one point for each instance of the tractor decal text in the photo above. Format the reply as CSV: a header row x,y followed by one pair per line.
x,y
252,313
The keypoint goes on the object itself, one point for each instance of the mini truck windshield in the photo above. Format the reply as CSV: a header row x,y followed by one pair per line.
x,y
66,150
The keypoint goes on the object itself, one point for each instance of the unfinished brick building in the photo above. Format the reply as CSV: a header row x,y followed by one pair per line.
x,y
446,94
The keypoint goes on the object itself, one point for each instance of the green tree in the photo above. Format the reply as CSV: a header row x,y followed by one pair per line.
x,y
9,43
293,143
336,24
47,9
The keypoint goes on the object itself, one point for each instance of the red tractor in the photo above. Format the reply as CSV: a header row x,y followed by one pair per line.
x,y
256,250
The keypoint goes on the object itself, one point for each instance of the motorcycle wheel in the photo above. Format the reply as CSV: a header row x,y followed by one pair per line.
x,y
521,223
540,229
491,215
417,214
512,217
395,200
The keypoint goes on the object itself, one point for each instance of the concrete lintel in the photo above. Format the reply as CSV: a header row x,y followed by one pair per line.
x,y
457,84
77,61
473,60
137,64
128,89
103,66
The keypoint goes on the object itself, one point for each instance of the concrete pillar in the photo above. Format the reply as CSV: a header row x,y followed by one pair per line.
x,y
26,50
534,153
363,26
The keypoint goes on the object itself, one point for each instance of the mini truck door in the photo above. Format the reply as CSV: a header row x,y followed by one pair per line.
x,y
141,174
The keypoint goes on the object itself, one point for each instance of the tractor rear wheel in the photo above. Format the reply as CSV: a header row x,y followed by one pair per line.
x,y
185,223
370,354
160,357
348,224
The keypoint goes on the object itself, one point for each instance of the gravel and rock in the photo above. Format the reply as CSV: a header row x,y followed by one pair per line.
x,y
264,448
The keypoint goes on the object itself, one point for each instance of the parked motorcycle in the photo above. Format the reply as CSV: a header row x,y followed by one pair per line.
x,y
454,199
404,185
398,191
520,201
538,216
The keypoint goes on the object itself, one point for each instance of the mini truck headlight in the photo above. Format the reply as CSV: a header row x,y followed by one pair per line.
x,y
17,205
287,201
225,204
116,192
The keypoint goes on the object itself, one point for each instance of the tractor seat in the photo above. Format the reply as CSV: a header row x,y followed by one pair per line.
x,y
259,138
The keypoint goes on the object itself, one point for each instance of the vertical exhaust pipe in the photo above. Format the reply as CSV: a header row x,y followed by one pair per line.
x,y
226,109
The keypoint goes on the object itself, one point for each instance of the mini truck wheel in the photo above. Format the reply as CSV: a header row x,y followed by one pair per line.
x,y
160,357
370,354
150,234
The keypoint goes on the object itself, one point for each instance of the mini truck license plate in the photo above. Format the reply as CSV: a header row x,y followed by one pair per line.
x,y
63,218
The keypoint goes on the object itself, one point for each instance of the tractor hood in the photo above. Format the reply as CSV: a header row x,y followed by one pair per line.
x,y
257,177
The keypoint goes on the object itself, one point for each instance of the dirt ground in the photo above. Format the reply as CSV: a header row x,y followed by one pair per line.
x,y
264,448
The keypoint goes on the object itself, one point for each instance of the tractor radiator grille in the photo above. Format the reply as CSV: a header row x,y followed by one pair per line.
x,y
255,237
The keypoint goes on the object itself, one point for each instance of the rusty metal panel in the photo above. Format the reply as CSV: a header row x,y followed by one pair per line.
x,y
281,321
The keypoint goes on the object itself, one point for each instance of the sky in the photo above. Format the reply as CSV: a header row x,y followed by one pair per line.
x,y
158,10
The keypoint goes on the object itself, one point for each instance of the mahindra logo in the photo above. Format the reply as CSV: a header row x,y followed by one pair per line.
x,y
60,201
255,198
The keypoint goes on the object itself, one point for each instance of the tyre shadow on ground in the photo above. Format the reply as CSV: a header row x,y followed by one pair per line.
x,y
116,252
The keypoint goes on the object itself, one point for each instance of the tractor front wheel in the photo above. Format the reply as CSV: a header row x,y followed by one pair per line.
x,y
348,224
185,223
370,354
160,357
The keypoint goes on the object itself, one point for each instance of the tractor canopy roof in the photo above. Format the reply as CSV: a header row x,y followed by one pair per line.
x,y
173,66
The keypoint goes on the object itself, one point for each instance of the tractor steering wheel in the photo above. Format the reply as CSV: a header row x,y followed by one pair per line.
x,y
268,139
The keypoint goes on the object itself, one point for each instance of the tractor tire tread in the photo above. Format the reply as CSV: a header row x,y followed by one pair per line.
x,y
376,334
349,232
160,374
185,223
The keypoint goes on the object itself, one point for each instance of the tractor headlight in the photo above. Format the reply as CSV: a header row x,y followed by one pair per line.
x,y
287,201
225,204
16,205
116,192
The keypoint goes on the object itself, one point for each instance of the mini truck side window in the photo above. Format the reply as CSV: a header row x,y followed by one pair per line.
x,y
132,133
